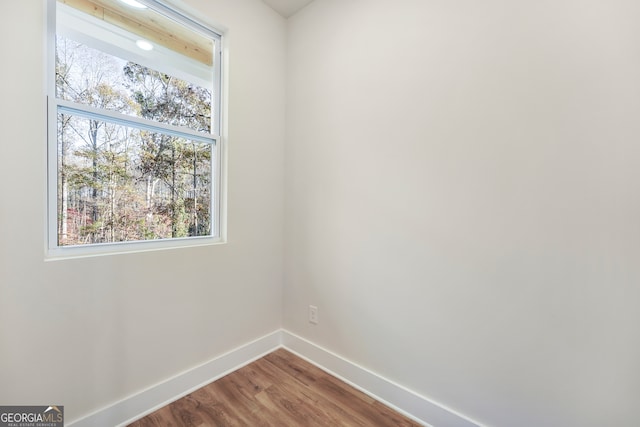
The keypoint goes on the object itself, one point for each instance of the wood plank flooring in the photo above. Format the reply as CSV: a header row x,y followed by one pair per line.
x,y
278,390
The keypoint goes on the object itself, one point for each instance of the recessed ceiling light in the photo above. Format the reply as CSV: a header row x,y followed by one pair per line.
x,y
144,45
134,3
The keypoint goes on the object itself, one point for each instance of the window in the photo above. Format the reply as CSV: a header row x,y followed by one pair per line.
x,y
134,127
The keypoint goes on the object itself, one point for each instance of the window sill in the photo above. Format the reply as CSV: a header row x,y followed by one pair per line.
x,y
108,249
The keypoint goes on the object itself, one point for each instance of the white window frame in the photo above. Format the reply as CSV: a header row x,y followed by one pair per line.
x,y
215,138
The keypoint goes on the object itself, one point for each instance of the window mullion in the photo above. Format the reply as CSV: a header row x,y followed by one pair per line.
x,y
131,121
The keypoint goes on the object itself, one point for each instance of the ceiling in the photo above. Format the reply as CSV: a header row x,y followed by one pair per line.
x,y
287,8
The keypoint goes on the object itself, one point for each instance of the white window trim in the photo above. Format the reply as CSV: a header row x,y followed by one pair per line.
x,y
217,137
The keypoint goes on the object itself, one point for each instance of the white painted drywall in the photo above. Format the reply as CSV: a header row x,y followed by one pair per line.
x,y
463,201
85,333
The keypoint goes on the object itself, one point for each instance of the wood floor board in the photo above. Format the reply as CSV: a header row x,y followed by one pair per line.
x,y
296,398
315,402
340,397
298,367
281,390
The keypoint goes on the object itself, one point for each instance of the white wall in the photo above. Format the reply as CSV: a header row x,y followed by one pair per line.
x,y
87,332
463,201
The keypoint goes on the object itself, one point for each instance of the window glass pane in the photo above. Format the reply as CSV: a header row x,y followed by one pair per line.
x,y
92,77
119,184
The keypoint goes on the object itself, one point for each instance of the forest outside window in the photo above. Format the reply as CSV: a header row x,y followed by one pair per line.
x,y
134,127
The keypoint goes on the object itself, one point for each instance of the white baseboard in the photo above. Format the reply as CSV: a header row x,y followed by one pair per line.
x,y
155,397
419,408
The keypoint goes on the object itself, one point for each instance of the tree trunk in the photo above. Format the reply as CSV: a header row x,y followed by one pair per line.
x,y
93,138
63,217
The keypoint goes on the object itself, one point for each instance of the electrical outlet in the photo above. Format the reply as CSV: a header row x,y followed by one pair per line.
x,y
313,314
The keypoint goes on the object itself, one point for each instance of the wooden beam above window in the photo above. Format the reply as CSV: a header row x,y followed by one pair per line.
x,y
149,25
